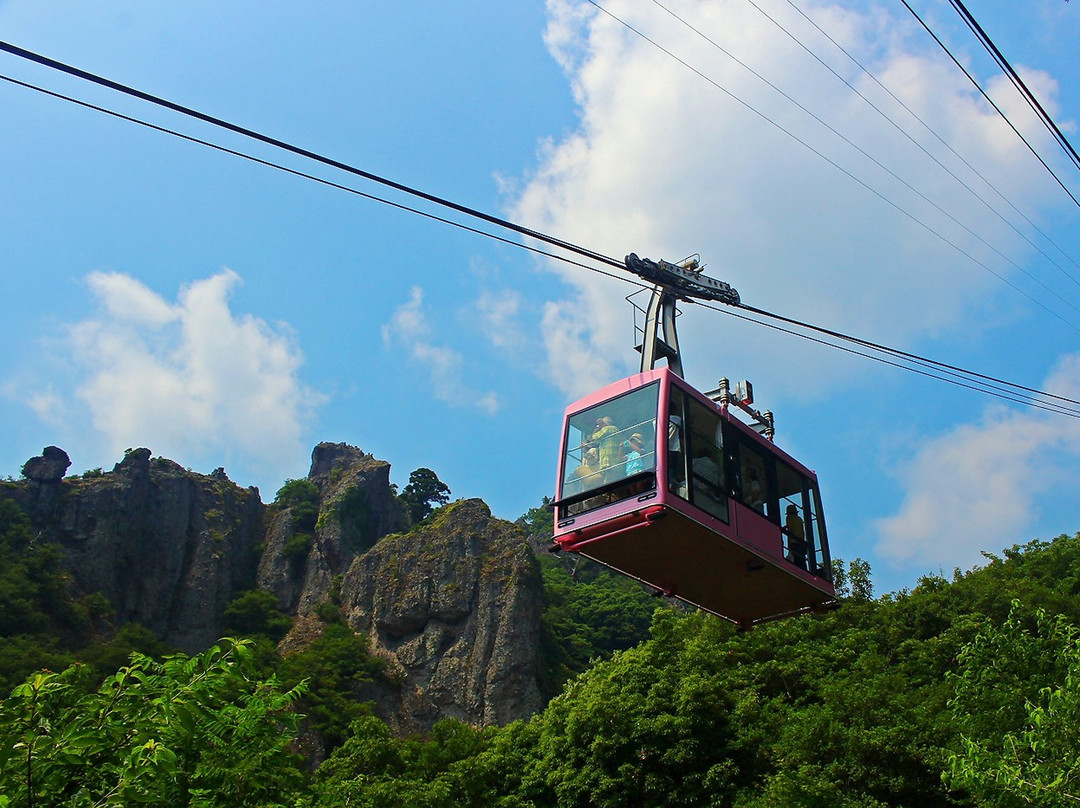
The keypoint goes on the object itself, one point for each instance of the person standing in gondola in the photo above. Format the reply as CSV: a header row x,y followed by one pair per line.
x,y
585,475
796,537
605,440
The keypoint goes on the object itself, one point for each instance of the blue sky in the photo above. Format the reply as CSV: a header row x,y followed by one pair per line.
x,y
160,294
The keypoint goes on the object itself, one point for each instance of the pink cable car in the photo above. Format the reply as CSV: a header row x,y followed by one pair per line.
x,y
668,486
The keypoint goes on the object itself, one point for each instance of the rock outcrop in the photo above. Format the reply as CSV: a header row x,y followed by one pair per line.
x,y
356,507
49,467
168,547
453,607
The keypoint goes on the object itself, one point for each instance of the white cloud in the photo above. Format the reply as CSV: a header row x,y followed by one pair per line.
x,y
190,379
127,300
664,164
497,314
47,405
981,486
410,327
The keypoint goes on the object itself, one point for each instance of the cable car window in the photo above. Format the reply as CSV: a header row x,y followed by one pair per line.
x,y
792,487
820,563
753,476
706,451
607,444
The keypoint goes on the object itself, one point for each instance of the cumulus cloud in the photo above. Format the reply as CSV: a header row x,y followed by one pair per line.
x,y
189,379
979,486
409,326
663,163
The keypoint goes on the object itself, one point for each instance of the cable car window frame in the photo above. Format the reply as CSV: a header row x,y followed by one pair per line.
x,y
676,440
610,482
793,491
750,457
820,558
709,495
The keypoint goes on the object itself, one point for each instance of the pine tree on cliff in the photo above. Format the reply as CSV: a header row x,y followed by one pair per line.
x,y
424,491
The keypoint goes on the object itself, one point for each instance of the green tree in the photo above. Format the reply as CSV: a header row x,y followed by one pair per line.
x,y
339,671
862,587
373,769
296,492
424,490
844,710
108,656
40,620
1018,703
35,590
186,731
588,612
587,617
539,523
301,499
650,727
853,580
255,613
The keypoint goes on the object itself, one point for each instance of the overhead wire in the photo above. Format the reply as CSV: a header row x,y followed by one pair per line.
x,y
873,159
985,389
892,203
951,370
562,244
1014,77
928,128
990,101
314,178
310,155
902,130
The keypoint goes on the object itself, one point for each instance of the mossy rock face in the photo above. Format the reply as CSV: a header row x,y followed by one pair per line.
x,y
357,519
318,525
453,607
167,547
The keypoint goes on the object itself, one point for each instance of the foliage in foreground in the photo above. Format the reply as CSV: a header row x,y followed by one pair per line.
x,y
1017,703
586,617
588,613
375,770
338,670
186,731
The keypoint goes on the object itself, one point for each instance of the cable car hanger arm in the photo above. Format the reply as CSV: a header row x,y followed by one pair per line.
x,y
671,283
684,280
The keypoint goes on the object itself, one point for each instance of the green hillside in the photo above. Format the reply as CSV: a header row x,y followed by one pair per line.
x,y
958,692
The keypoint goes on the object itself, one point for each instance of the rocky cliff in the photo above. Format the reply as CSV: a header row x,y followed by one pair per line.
x,y
355,508
168,547
452,605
